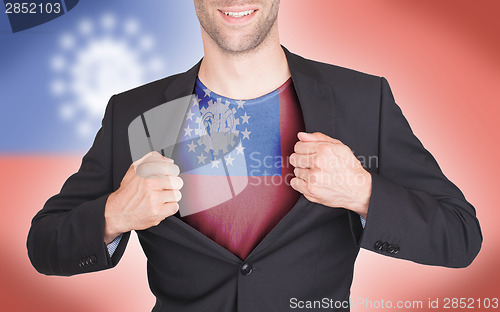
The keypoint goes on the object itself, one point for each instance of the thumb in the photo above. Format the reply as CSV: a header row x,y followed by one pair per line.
x,y
316,137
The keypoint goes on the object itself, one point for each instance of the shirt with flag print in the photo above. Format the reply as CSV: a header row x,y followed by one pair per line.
x,y
233,156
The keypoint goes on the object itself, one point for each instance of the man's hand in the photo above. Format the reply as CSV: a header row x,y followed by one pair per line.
x,y
148,193
327,172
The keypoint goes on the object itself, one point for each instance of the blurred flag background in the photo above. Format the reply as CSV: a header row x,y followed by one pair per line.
x,y
440,57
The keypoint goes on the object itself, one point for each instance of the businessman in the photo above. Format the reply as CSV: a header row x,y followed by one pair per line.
x,y
297,238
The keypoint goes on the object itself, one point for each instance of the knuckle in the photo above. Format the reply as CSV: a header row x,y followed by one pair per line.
x,y
180,182
172,208
295,147
173,169
175,183
177,195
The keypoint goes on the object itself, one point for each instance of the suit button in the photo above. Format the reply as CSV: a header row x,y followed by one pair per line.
x,y
396,249
378,245
82,263
93,260
390,249
87,262
246,269
384,246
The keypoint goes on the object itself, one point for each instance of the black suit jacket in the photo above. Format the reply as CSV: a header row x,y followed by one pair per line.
x,y
415,212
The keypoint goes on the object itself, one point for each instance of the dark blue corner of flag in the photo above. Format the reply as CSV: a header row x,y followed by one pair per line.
x,y
25,15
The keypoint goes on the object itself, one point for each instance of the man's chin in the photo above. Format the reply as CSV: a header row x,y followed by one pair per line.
x,y
239,46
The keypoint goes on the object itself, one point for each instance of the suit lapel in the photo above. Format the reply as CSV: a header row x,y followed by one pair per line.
x,y
316,98
318,108
183,84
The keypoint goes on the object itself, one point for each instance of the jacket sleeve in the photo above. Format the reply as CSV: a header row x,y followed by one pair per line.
x,y
67,236
415,212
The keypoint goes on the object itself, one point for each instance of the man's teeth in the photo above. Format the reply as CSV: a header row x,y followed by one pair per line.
x,y
239,14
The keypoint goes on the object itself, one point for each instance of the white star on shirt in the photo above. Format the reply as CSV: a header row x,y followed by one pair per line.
x,y
240,149
229,160
246,134
215,163
192,147
207,92
245,118
201,158
190,115
188,131
240,103
196,101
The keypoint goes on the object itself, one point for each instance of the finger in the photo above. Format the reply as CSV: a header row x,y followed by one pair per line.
x,y
316,137
172,196
157,157
157,169
172,183
307,147
169,160
301,173
311,176
302,161
301,186
171,208
302,147
143,158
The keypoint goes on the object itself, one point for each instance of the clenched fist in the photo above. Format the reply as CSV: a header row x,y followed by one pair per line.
x,y
327,172
149,192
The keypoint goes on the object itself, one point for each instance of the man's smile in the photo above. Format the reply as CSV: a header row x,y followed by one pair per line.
x,y
237,15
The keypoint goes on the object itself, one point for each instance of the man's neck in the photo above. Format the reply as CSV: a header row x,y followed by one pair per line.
x,y
244,76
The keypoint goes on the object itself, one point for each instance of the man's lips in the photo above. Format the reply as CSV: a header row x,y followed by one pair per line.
x,y
237,16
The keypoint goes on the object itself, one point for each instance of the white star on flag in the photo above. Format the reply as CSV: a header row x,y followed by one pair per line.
x,y
240,149
196,101
240,103
190,115
229,160
192,147
215,163
245,118
246,134
207,92
201,158
188,131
